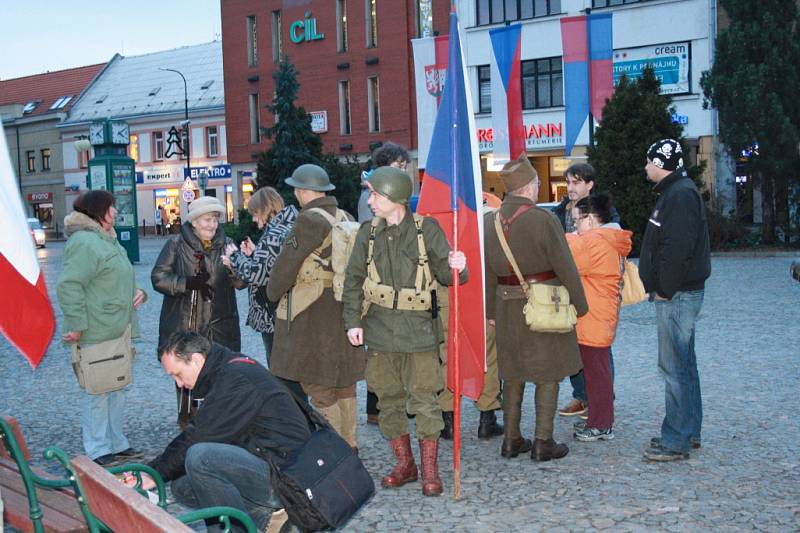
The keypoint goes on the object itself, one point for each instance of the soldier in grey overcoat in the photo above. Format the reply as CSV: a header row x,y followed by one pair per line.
x,y
538,245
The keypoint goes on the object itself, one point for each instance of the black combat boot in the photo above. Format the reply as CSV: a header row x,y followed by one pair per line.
x,y
488,426
447,432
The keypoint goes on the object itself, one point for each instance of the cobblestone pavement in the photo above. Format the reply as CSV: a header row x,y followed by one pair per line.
x,y
746,476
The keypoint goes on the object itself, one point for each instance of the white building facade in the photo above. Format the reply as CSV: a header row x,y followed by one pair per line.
x,y
680,31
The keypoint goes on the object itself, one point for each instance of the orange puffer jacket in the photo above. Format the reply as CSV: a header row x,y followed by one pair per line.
x,y
597,255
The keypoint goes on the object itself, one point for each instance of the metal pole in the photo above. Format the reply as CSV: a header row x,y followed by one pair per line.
x,y
186,119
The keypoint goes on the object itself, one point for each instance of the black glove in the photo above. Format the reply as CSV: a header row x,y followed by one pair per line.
x,y
198,282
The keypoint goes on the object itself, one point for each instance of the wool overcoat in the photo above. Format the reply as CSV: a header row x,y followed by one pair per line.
x,y
312,348
538,244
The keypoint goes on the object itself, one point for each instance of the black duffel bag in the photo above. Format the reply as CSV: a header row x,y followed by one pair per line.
x,y
323,483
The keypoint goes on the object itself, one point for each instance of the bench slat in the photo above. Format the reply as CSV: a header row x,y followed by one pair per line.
x,y
60,500
121,508
15,513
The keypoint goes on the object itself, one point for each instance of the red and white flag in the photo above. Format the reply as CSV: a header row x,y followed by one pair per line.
x,y
26,316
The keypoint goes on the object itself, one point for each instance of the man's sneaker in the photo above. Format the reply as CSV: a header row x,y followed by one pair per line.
x,y
130,454
574,407
663,455
580,424
593,434
655,442
108,460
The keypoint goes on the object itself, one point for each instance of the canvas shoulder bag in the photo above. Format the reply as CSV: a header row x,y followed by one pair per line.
x,y
106,366
632,289
548,309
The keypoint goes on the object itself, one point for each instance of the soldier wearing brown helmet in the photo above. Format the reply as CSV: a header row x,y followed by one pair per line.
x,y
538,245
310,344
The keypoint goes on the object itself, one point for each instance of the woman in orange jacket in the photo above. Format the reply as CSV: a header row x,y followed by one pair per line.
x,y
599,248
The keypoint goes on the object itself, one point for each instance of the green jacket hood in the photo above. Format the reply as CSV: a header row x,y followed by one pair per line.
x,y
77,221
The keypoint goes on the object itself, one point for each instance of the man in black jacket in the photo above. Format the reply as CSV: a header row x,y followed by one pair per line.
x,y
246,416
674,265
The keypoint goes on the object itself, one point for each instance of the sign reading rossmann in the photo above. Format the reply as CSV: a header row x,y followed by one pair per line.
x,y
537,135
40,197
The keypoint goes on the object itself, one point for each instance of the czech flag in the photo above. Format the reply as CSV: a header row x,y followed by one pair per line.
x,y
601,69
26,316
509,133
452,193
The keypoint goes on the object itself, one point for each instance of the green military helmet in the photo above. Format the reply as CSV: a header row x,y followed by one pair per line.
x,y
311,177
392,183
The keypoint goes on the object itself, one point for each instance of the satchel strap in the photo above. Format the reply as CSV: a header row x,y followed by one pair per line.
x,y
242,360
506,250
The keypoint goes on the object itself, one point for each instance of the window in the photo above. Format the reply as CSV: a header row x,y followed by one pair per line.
x,y
424,18
341,25
154,91
212,141
45,158
484,89
206,85
371,23
30,106
31,160
542,83
374,104
158,145
609,3
83,158
252,42
497,11
344,107
133,147
277,37
61,102
255,124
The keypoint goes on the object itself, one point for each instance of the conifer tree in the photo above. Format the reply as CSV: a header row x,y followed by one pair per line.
x,y
636,116
754,84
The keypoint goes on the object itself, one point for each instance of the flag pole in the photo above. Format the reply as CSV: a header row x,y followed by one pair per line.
x,y
454,308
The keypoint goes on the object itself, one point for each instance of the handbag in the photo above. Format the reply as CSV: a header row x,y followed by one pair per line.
x,y
548,309
323,483
106,366
632,289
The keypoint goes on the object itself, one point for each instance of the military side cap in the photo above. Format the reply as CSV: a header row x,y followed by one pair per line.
x,y
516,174
392,183
311,177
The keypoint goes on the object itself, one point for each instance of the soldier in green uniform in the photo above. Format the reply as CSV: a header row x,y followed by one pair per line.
x,y
397,260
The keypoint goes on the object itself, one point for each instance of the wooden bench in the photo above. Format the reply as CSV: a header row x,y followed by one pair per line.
x,y
120,508
51,509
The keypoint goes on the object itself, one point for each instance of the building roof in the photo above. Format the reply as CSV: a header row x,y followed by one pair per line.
x,y
51,92
134,86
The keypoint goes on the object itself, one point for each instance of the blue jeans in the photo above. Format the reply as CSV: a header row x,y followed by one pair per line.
x,y
103,417
579,382
677,362
230,476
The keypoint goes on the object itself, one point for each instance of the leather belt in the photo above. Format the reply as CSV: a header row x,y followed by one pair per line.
x,y
513,280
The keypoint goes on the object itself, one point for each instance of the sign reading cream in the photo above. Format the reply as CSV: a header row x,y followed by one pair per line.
x,y
670,62
304,30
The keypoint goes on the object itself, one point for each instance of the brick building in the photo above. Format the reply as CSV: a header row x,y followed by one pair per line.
x,y
355,64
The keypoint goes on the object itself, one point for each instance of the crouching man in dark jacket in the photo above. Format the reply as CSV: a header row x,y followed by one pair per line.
x,y
246,416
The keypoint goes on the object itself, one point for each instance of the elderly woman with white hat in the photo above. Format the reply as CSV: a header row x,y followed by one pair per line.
x,y
198,288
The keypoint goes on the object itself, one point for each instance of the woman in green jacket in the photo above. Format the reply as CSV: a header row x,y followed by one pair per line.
x,y
98,296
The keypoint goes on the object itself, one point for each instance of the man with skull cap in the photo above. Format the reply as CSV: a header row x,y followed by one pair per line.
x,y
674,264
538,245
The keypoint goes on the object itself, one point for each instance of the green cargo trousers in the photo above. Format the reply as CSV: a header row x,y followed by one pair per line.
x,y
406,383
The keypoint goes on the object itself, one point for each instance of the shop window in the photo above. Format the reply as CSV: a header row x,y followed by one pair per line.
x,y
212,141
542,83
344,107
31,160
255,124
371,17
277,37
497,11
45,158
252,42
484,89
374,104
341,25
158,145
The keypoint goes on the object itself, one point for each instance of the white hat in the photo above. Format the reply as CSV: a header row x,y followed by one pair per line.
x,y
203,205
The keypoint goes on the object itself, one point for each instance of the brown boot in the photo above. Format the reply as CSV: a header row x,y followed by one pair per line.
x,y
431,482
405,471
514,447
544,450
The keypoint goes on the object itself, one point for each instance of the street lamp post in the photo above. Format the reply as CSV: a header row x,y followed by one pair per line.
x,y
186,118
